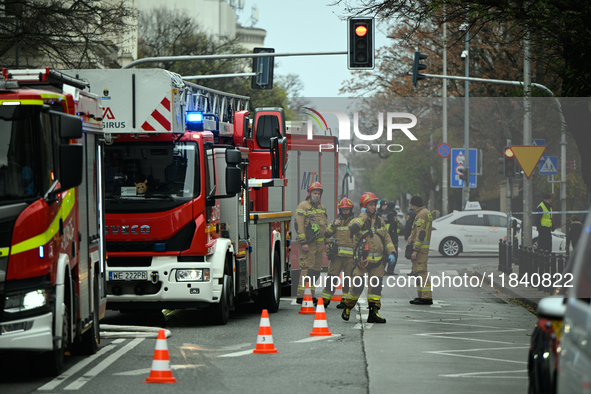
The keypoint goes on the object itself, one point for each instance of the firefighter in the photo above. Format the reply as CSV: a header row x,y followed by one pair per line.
x,y
388,213
372,239
339,251
420,236
310,225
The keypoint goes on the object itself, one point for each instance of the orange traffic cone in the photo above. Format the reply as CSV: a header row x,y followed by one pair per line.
x,y
320,328
161,372
338,294
307,303
265,343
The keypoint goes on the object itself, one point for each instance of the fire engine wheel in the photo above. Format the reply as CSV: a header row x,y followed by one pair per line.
x,y
220,312
54,360
89,342
450,247
270,297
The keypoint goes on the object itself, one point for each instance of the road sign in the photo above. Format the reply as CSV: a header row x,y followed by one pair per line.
x,y
528,157
538,142
549,166
444,150
458,160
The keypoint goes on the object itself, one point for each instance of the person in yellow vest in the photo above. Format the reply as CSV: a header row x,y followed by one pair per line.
x,y
419,238
544,224
310,226
372,243
341,252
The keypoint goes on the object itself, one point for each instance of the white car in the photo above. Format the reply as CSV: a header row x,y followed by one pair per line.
x,y
478,231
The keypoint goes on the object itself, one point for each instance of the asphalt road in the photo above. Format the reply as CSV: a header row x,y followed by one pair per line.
x,y
471,339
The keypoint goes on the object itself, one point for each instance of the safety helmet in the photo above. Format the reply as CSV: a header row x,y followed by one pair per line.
x,y
367,197
345,203
315,186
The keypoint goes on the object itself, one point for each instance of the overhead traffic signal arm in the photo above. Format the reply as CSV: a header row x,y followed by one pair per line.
x,y
418,66
360,45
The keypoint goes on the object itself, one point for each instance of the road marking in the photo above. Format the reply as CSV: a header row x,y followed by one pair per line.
x,y
83,363
483,375
314,339
359,326
237,354
146,371
78,383
453,354
117,331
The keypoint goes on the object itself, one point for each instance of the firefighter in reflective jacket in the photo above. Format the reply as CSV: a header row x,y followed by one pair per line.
x,y
372,239
310,225
340,252
420,236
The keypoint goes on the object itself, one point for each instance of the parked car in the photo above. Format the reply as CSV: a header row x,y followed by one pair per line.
x,y
574,360
478,231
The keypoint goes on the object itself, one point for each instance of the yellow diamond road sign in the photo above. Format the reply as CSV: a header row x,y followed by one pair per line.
x,y
528,157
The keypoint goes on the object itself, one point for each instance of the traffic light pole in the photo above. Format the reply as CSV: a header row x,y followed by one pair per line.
x,y
226,56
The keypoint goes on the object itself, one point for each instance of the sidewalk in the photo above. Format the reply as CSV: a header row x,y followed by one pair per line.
x,y
526,294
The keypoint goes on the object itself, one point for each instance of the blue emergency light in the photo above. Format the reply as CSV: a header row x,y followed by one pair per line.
x,y
194,121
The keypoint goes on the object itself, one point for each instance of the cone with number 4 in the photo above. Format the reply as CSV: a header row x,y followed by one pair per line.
x,y
320,328
161,372
265,343
307,303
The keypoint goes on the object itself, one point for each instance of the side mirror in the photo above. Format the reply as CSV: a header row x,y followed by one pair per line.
x,y
552,308
71,165
233,157
233,181
70,125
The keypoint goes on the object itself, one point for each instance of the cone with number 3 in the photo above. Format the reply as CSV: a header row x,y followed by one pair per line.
x,y
265,343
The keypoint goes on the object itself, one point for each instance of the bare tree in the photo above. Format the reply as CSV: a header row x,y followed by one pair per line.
x,y
63,33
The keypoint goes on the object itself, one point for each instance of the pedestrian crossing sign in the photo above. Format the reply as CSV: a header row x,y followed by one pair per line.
x,y
549,166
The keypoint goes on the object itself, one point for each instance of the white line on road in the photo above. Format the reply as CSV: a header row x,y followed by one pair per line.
x,y
237,354
146,371
487,375
314,339
65,375
453,354
78,383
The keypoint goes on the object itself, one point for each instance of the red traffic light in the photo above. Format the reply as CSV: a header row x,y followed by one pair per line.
x,y
361,30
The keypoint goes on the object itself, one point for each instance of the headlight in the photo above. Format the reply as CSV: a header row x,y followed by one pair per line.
x,y
24,301
192,275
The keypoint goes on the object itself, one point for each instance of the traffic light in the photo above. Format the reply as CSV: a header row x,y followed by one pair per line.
x,y
360,46
462,173
263,66
509,166
501,167
417,66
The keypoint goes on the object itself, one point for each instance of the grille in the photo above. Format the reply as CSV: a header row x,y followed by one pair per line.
x,y
6,228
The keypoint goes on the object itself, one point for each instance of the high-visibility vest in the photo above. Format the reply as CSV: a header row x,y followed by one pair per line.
x,y
546,216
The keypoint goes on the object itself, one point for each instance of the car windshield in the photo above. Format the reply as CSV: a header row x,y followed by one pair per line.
x,y
443,217
158,174
27,153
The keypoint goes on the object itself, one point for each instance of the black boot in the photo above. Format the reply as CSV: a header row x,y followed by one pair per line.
x,y
374,317
342,305
346,314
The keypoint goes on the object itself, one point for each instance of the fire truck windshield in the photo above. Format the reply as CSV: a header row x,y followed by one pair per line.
x,y
28,152
159,175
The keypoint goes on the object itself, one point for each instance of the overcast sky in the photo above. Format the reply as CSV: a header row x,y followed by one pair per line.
x,y
306,26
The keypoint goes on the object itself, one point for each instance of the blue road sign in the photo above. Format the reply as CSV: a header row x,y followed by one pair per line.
x,y
549,166
538,142
458,160
444,150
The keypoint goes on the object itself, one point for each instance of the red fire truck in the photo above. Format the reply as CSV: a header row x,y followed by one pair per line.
x,y
195,198
52,283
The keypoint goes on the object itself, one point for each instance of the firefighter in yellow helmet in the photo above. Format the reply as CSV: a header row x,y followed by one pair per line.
x,y
372,239
339,251
310,226
420,236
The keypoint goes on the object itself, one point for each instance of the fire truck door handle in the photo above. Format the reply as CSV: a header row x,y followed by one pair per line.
x,y
61,229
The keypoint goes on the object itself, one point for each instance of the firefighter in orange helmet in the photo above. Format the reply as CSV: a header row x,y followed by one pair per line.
x,y
372,239
339,251
310,226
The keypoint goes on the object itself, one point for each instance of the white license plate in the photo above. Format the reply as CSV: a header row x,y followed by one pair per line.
x,y
128,275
